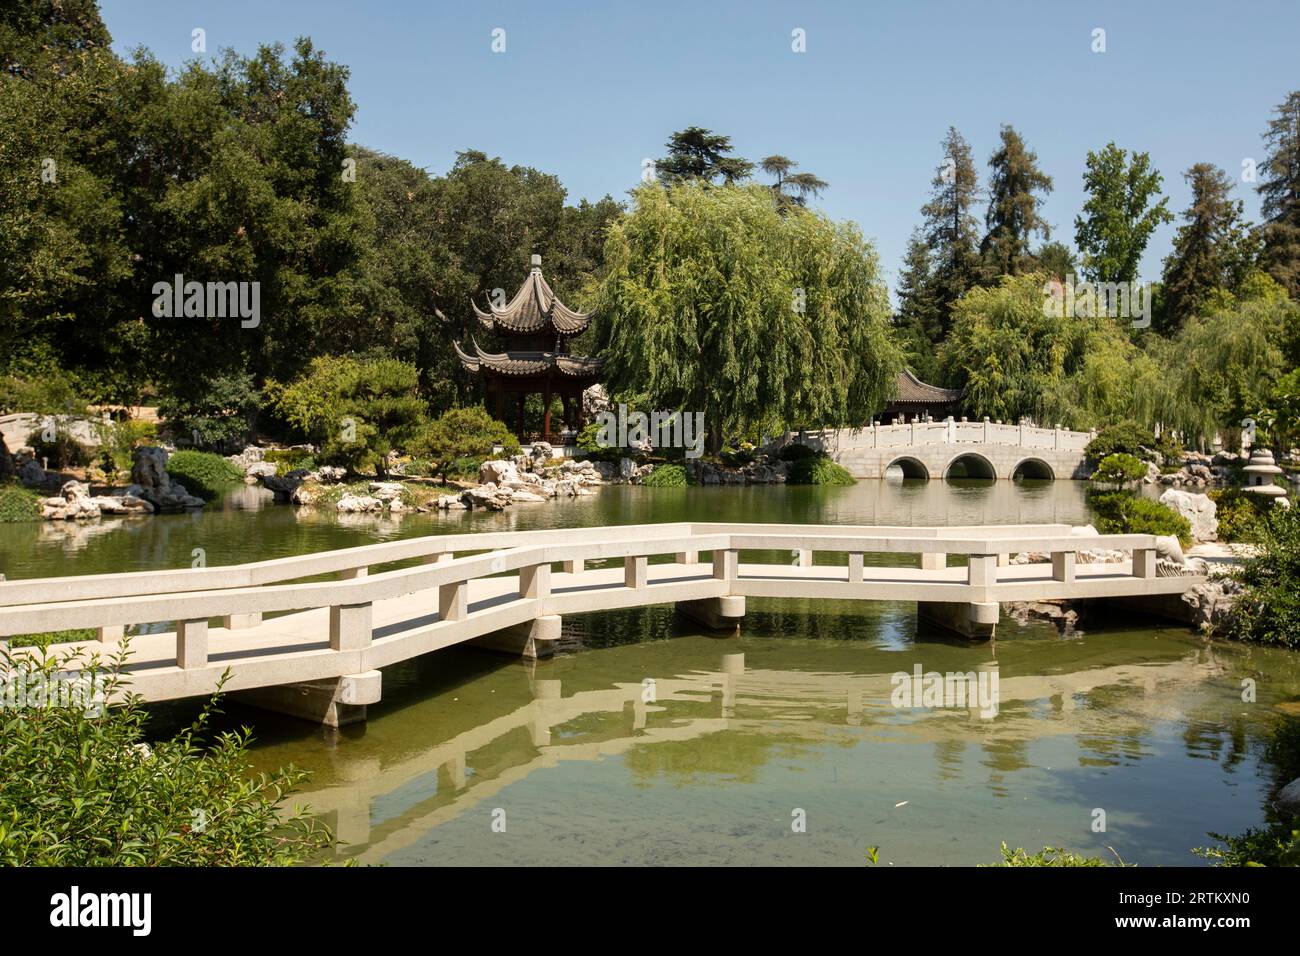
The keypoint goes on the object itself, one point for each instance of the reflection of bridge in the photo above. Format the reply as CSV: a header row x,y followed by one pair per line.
x,y
452,775
320,657
952,449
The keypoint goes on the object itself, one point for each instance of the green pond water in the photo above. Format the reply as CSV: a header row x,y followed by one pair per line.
x,y
647,740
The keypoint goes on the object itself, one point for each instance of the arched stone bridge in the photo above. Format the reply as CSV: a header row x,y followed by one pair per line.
x,y
955,449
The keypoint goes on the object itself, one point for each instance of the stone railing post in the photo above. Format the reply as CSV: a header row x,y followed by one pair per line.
x,y
192,643
108,634
350,627
725,564
635,568
687,557
805,557
855,567
1144,562
573,567
453,600
349,574
535,581
1063,565
982,570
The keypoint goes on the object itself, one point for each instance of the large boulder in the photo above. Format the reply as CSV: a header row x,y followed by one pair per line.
x,y
595,401
359,504
498,472
7,467
283,486
331,474
1288,799
32,475
1198,509
260,469
387,491
540,453
487,496
149,471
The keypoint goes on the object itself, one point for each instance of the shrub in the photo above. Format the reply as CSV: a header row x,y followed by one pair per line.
x,y
46,638
1119,469
1268,609
62,451
215,412
462,433
203,473
289,459
1047,856
666,476
817,469
739,457
18,504
1122,512
796,452
83,788
1240,515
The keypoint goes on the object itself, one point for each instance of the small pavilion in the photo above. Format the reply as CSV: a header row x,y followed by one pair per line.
x,y
916,400
535,327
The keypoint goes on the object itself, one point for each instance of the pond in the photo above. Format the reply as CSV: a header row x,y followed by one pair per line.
x,y
647,741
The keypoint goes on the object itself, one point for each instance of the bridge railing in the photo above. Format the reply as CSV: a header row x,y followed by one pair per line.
x,y
919,434
350,601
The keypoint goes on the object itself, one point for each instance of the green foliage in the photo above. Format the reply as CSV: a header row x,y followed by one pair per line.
x,y
1268,609
951,234
797,452
118,441
1130,438
818,469
289,459
1279,191
215,411
666,476
1047,856
83,788
1013,217
1119,469
1120,213
714,302
45,638
461,433
1258,846
1240,515
203,473
63,451
18,504
1123,512
700,155
355,410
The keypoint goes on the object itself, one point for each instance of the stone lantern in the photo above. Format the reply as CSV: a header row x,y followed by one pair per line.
x,y
1259,475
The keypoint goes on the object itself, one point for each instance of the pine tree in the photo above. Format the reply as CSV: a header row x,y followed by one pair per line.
x,y
919,320
1214,248
1118,218
1280,192
1012,217
791,188
951,230
697,153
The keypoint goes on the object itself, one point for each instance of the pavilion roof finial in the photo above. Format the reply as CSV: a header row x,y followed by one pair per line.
x,y
536,262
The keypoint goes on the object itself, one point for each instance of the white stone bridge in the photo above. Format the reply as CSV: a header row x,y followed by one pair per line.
x,y
314,647
955,449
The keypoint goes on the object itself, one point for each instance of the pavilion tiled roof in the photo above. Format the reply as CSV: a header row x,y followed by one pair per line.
x,y
519,364
535,308
911,390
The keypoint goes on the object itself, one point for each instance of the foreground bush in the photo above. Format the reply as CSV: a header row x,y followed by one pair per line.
x,y
203,473
1119,469
1268,610
1240,515
18,504
1130,438
818,470
83,788
1047,856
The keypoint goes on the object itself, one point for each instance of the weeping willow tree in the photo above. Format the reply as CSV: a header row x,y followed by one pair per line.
x,y
714,302
1019,358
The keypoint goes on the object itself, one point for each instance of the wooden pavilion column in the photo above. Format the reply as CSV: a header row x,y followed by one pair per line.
x,y
546,413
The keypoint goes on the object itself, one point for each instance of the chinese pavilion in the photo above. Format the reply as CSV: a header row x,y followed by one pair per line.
x,y
536,328
916,399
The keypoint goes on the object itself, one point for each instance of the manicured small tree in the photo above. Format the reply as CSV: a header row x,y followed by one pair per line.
x,y
461,433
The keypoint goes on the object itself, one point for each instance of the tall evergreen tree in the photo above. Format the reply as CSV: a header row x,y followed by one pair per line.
x,y
1214,248
951,229
1013,218
1119,215
697,153
1280,192
919,321
791,188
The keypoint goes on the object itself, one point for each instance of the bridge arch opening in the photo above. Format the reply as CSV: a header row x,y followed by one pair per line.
x,y
970,465
1034,469
907,468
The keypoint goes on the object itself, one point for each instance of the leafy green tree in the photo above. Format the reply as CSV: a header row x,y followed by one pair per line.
x,y
1280,196
716,303
1214,248
1056,260
1269,610
212,411
700,154
1119,214
951,229
919,321
1013,217
356,410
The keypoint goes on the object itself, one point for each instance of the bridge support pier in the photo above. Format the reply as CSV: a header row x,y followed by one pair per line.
x,y
719,613
977,621
334,702
532,639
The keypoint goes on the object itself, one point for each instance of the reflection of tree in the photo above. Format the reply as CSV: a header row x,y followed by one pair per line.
x,y
947,758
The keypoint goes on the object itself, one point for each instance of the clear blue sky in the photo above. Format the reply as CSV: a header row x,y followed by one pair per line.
x,y
586,91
